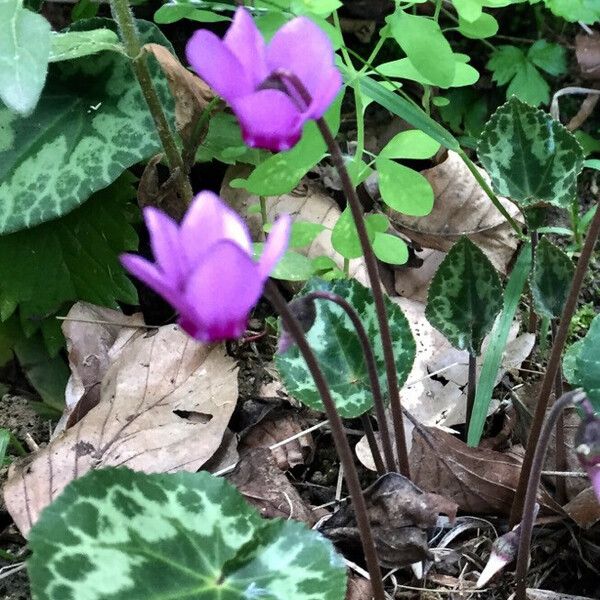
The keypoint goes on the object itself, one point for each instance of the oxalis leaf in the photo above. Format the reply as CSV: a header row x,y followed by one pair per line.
x,y
333,339
121,535
587,363
72,258
24,53
90,125
465,296
550,279
530,157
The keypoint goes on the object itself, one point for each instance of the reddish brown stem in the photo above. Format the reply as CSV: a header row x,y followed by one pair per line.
x,y
560,451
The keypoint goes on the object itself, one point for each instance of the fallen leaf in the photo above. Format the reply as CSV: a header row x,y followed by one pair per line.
x,y
164,406
359,588
461,207
90,332
265,486
537,594
480,481
279,426
225,455
191,94
308,202
413,283
584,509
587,51
399,514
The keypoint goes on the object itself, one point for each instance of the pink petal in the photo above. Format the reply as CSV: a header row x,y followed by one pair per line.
x,y
208,221
221,291
302,48
148,273
246,42
275,246
218,66
269,119
593,472
164,239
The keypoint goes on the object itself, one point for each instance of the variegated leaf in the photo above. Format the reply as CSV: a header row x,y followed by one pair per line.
x,y
530,157
333,339
587,363
122,535
465,296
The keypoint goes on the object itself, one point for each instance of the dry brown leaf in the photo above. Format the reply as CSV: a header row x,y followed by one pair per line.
x,y
480,481
276,428
191,94
536,594
461,207
264,485
587,50
165,404
90,332
359,588
308,202
584,509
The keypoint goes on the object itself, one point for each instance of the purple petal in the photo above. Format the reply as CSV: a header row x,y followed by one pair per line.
x,y
275,246
269,120
221,291
164,239
208,221
302,48
246,42
593,472
216,64
149,274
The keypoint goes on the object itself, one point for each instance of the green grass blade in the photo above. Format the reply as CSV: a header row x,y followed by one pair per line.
x,y
498,337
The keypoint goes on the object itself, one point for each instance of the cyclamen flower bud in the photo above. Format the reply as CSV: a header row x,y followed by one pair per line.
x,y
587,445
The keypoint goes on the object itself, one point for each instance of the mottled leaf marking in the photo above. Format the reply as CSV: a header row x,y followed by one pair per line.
x,y
550,279
465,296
90,125
123,535
530,157
587,363
334,341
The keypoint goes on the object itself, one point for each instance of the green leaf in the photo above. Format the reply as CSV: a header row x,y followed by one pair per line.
x,y
551,58
338,350
304,233
72,258
176,11
587,363
24,52
550,279
390,249
498,339
483,27
292,266
405,109
4,441
410,144
315,7
425,46
465,296
90,125
122,535
344,236
468,10
587,11
505,63
529,86
529,156
569,365
403,189
75,44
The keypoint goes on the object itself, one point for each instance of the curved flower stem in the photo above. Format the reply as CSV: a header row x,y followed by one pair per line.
x,y
139,61
573,397
337,430
372,441
471,387
371,370
560,452
373,272
553,365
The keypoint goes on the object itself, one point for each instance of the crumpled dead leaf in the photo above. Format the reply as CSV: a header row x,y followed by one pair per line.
x,y
399,514
90,332
461,207
537,594
278,426
359,588
480,481
265,486
164,406
584,508
308,202
587,51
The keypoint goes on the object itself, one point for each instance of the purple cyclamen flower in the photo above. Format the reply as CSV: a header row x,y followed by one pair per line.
x,y
254,77
587,446
204,267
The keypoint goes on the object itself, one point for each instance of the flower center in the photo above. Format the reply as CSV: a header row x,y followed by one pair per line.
x,y
288,83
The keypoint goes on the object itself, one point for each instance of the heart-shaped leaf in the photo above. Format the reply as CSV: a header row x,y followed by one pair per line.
x,y
550,279
333,339
24,52
465,296
121,535
90,125
587,363
530,157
